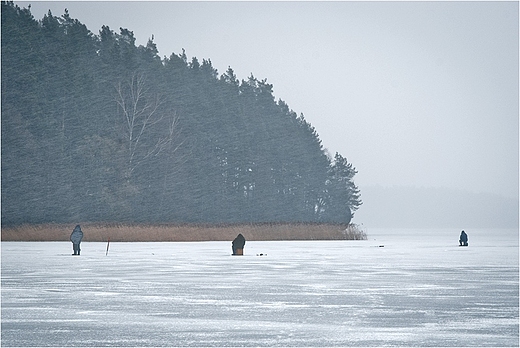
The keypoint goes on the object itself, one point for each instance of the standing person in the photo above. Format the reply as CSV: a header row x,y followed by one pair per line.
x,y
75,237
463,240
238,245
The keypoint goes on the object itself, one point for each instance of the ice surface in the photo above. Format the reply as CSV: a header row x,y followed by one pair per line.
x,y
420,289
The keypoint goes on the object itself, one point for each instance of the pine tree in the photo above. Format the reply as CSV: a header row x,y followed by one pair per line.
x,y
343,195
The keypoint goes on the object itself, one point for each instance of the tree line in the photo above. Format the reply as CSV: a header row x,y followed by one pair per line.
x,y
96,128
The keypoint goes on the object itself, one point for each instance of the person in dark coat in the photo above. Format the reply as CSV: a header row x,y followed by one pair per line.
x,y
238,244
75,237
463,240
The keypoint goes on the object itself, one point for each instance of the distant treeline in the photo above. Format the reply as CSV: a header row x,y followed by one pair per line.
x,y
95,128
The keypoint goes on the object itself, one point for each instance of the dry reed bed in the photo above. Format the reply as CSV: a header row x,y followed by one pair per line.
x,y
178,233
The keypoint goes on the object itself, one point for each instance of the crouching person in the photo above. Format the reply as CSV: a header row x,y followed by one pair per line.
x,y
75,237
463,240
238,245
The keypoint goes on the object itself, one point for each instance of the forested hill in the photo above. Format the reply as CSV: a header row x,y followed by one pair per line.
x,y
95,128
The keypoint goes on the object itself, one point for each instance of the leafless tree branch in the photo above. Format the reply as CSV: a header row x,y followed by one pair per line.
x,y
140,110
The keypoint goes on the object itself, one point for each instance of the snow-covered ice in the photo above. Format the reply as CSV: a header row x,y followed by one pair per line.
x,y
420,289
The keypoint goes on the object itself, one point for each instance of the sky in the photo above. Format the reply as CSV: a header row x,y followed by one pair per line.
x,y
418,94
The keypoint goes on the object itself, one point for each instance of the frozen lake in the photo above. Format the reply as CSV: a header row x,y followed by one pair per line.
x,y
420,289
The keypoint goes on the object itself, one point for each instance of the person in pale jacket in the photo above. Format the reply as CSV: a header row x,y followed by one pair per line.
x,y
75,237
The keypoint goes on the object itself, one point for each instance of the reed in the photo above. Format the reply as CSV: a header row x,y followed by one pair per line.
x,y
101,232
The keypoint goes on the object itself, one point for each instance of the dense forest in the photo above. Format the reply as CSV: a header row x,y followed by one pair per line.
x,y
95,128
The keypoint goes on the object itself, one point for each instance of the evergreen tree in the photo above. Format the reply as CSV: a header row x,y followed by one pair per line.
x,y
343,195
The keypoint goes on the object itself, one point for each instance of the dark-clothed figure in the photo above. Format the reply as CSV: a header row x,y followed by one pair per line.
x,y
463,240
75,237
238,245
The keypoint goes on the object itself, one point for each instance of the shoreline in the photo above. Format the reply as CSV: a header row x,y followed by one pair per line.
x,y
102,232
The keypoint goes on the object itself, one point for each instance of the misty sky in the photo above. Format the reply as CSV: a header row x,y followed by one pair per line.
x,y
420,94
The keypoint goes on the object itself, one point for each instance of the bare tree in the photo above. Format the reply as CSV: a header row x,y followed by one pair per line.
x,y
141,109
